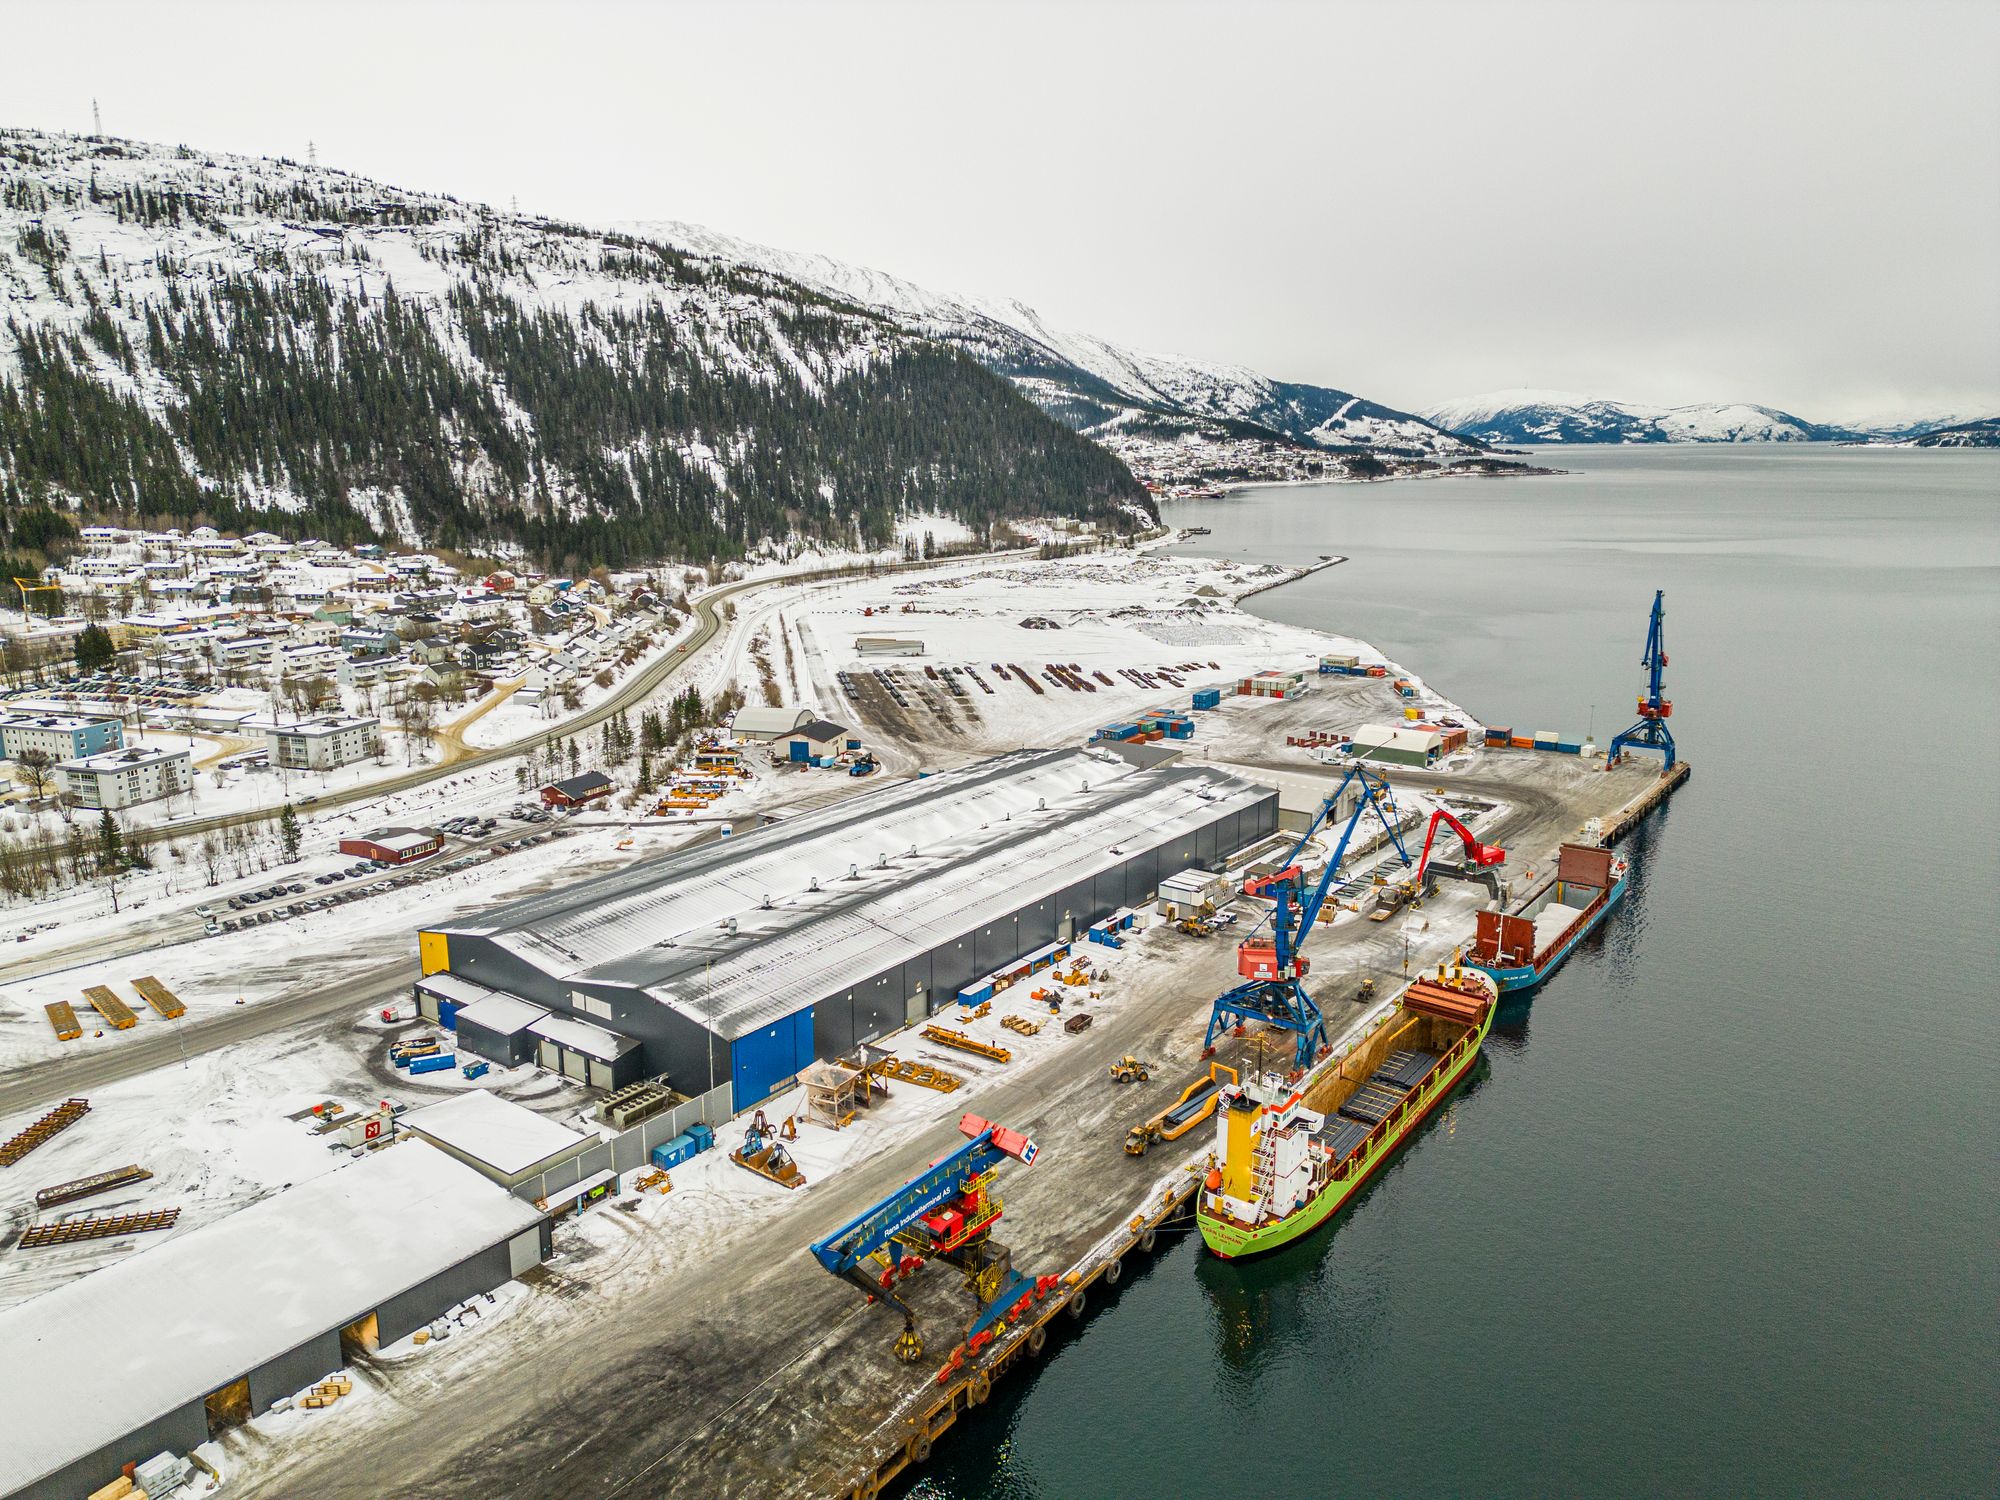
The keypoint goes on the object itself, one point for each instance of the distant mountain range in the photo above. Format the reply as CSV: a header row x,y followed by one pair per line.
x,y
1530,416
1107,392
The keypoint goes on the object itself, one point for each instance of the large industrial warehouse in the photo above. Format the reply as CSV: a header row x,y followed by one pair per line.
x,y
742,960
170,1346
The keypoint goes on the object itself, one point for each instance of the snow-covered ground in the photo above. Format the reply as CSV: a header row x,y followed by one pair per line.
x,y
295,955
1103,612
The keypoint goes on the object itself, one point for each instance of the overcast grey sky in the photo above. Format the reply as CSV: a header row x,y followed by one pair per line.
x,y
1792,204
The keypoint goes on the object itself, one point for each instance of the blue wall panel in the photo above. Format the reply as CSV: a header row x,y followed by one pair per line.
x,y
763,1060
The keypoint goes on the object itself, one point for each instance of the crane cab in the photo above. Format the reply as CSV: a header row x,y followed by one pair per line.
x,y
1258,960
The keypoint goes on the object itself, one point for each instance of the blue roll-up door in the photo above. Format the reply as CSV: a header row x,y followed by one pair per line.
x,y
764,1060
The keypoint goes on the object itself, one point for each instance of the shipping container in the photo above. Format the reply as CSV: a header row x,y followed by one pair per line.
x,y
436,1062
1208,698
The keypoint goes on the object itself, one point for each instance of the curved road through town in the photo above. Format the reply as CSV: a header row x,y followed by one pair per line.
x,y
60,1077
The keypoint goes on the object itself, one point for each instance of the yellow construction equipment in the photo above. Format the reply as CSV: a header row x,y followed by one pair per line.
x,y
109,1006
921,1074
1128,1069
948,1038
159,997
1196,1104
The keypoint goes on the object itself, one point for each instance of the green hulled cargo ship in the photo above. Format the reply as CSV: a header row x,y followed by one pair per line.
x,y
1290,1153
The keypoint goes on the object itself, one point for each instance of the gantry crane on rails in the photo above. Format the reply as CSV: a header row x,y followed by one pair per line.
x,y
946,1212
1273,966
1651,732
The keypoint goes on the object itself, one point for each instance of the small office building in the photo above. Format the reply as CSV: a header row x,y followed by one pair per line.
x,y
591,786
394,846
816,739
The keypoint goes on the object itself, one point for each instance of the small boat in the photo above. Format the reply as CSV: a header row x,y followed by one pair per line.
x,y
1522,947
1289,1153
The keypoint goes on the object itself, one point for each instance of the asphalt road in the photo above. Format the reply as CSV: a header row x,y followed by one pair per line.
x,y
163,1044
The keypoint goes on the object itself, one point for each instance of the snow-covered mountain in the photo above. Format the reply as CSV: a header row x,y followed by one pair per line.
x,y
1981,433
1096,385
1532,416
252,342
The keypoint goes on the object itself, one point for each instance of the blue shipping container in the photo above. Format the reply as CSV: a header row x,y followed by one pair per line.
x,y
1208,698
681,1148
766,1059
437,1062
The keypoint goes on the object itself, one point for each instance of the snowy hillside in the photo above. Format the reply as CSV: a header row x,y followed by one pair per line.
x,y
1531,416
255,342
1095,385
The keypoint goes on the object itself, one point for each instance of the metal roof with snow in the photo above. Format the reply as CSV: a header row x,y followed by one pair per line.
x,y
508,1137
743,931
184,1318
503,1015
581,1036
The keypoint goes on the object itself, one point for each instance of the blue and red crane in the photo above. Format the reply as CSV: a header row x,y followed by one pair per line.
x,y
1651,732
1273,967
947,1213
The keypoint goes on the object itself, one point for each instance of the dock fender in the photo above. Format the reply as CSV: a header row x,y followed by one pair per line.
x,y
920,1448
1077,1302
1114,1268
979,1388
1149,1239
1038,1338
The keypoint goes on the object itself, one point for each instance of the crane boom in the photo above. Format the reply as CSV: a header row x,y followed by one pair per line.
x,y
946,1212
1476,853
1272,967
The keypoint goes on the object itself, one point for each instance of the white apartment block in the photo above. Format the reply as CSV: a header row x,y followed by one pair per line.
x,y
126,778
318,744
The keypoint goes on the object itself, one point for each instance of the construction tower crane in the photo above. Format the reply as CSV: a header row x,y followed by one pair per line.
x,y
1651,732
1273,967
29,586
946,1212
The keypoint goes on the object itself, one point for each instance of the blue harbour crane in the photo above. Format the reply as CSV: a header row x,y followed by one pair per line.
x,y
1651,732
1273,967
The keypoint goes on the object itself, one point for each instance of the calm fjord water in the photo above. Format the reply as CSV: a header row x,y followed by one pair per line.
x,y
1720,1213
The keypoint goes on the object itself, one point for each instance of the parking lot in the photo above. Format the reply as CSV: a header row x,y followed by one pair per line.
x,y
282,899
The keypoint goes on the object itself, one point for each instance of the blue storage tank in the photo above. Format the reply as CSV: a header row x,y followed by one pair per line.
x,y
763,1061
